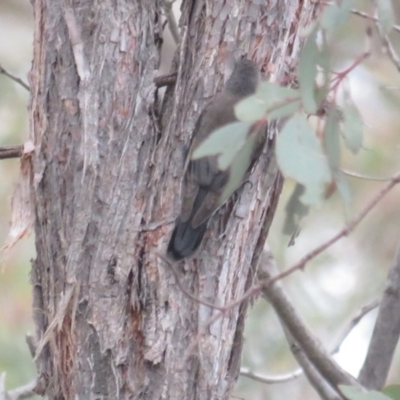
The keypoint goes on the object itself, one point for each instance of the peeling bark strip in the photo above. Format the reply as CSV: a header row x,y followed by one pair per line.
x,y
112,322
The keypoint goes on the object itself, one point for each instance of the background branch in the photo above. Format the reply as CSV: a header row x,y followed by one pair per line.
x,y
386,332
22,392
353,323
323,388
306,340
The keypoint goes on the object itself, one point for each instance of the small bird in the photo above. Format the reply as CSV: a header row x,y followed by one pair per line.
x,y
206,186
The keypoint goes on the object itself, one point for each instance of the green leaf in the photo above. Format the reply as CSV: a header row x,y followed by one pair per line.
x,y
301,157
334,16
308,72
225,142
343,188
286,110
271,101
393,391
352,127
332,143
353,393
385,15
295,211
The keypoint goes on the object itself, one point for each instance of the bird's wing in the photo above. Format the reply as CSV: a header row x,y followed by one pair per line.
x,y
203,180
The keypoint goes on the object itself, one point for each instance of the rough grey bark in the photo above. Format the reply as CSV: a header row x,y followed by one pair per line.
x,y
111,321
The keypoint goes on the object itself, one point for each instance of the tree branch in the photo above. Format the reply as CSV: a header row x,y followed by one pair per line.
x,y
323,388
387,44
22,392
11,151
386,332
289,376
14,78
306,340
370,17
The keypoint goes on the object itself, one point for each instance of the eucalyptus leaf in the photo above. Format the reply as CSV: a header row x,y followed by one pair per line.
x,y
343,189
271,101
225,142
332,143
300,156
286,110
308,72
352,127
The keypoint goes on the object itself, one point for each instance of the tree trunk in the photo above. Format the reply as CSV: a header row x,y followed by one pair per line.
x,y
111,321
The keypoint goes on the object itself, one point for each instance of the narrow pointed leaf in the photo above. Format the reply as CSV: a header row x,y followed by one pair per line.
x,y
307,73
332,143
352,127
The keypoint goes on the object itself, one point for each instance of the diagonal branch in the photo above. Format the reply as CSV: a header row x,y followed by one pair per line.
x,y
309,344
386,332
323,388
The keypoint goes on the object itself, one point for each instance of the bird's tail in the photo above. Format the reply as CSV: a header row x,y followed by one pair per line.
x,y
185,239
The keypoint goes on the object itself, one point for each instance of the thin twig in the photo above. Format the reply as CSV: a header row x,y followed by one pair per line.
x,y
385,39
353,323
370,17
366,177
391,52
14,78
273,379
344,232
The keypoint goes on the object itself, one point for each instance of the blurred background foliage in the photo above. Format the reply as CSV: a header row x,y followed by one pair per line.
x,y
332,288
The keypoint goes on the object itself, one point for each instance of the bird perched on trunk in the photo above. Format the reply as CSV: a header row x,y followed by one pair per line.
x,y
212,177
